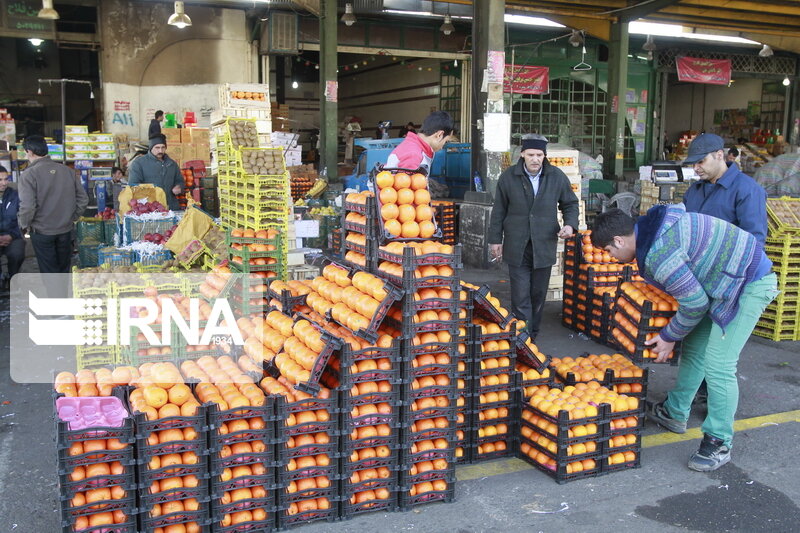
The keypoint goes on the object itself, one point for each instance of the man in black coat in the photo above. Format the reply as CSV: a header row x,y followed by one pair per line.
x,y
524,228
155,125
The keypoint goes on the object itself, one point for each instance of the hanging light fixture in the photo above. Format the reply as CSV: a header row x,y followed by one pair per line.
x,y
47,11
649,47
39,90
455,62
91,92
348,18
447,28
36,42
295,85
766,51
179,19
786,81
576,39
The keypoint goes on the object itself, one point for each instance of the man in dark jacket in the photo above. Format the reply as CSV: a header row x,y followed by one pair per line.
x,y
51,199
155,125
524,228
158,169
11,242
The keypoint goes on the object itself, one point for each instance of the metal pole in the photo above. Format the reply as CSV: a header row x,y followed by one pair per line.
x,y
64,120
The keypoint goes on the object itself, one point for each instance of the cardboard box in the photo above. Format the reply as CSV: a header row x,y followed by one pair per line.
x,y
198,135
175,150
202,152
173,135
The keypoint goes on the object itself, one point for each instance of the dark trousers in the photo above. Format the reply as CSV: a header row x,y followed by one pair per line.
x,y
53,252
15,254
529,291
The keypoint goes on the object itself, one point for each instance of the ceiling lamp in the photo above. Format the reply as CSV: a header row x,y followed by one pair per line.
x,y
179,19
766,51
348,18
447,28
786,81
36,42
47,11
576,39
649,47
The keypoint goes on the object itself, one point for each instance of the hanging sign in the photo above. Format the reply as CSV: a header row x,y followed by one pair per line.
x,y
699,70
331,91
526,80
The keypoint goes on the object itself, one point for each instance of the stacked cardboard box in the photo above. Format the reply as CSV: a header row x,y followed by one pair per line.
x,y
188,144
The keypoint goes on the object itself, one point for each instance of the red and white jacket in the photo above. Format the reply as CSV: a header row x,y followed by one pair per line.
x,y
411,154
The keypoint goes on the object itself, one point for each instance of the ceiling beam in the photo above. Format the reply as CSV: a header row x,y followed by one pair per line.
x,y
600,29
720,24
747,19
643,9
787,43
312,6
785,8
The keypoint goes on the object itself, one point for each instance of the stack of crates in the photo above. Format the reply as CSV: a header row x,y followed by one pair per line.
x,y
446,216
781,319
173,477
242,467
532,366
360,230
427,318
308,456
252,178
370,421
259,261
97,480
138,349
493,390
586,441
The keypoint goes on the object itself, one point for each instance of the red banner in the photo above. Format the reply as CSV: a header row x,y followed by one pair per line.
x,y
699,70
522,79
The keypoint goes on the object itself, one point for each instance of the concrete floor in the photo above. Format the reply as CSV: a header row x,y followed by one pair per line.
x,y
758,491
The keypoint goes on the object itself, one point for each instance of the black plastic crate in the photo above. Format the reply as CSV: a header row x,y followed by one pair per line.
x,y
447,474
267,481
68,488
66,437
413,433
70,514
67,462
284,409
407,502
409,282
485,309
409,329
477,336
411,306
560,472
288,521
146,476
610,381
409,259
129,526
526,355
626,464
510,448
252,526
349,358
350,509
199,493
217,463
618,337
145,427
202,517
591,277
409,351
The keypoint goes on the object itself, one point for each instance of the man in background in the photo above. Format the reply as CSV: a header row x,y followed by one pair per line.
x,y
725,192
417,149
12,245
51,199
155,125
524,226
118,183
157,168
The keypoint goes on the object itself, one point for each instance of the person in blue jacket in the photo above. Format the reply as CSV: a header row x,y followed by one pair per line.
x,y
12,245
723,191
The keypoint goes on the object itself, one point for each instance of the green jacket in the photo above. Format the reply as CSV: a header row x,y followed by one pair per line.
x,y
164,174
518,218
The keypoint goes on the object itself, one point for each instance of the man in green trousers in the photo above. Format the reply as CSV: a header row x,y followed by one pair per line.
x,y
722,281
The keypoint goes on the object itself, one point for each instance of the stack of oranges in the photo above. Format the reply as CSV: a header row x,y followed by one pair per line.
x,y
307,480
405,205
255,250
641,311
595,367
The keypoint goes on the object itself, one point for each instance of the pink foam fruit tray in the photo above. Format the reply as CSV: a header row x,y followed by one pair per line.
x,y
89,412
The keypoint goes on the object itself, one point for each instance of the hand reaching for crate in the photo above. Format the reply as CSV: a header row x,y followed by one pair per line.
x,y
660,347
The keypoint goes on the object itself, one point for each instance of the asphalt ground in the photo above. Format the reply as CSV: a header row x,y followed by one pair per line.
x,y
757,491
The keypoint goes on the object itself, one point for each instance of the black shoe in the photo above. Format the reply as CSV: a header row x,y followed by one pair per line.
x,y
711,455
657,413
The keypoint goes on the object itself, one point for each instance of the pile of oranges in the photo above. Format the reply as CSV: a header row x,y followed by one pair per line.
x,y
420,248
592,254
405,205
594,367
643,292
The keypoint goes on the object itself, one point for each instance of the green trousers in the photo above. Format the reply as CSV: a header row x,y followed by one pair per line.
x,y
712,354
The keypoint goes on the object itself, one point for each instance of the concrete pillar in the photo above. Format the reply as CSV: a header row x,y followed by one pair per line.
x,y
615,110
488,36
329,89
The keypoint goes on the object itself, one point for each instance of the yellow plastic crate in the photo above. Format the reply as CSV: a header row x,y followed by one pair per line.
x,y
783,215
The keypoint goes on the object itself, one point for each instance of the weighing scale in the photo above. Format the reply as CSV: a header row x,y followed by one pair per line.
x,y
666,172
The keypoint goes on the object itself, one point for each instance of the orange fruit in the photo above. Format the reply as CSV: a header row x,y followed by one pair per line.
x,y
155,396
419,181
389,211
424,212
393,227
410,230
388,195
406,213
422,196
402,181
426,229
384,179
405,196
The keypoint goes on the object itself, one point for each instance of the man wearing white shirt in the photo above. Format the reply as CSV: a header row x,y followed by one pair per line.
x,y
524,229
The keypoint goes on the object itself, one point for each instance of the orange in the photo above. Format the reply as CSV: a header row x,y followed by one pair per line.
x,y
426,229
389,211
402,181
410,230
155,396
179,394
424,212
388,196
419,181
384,179
422,196
405,196
393,227
406,213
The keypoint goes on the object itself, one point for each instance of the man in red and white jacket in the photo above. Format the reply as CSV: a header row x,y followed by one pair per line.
x,y
417,150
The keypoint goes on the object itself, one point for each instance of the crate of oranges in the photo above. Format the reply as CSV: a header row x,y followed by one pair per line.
x,y
529,354
615,372
359,214
404,205
640,312
494,416
97,484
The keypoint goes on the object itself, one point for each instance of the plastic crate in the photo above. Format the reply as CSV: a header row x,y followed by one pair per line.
x,y
407,502
610,381
384,235
89,230
201,517
283,409
639,354
526,355
87,255
157,258
783,215
135,230
95,356
114,256
348,358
